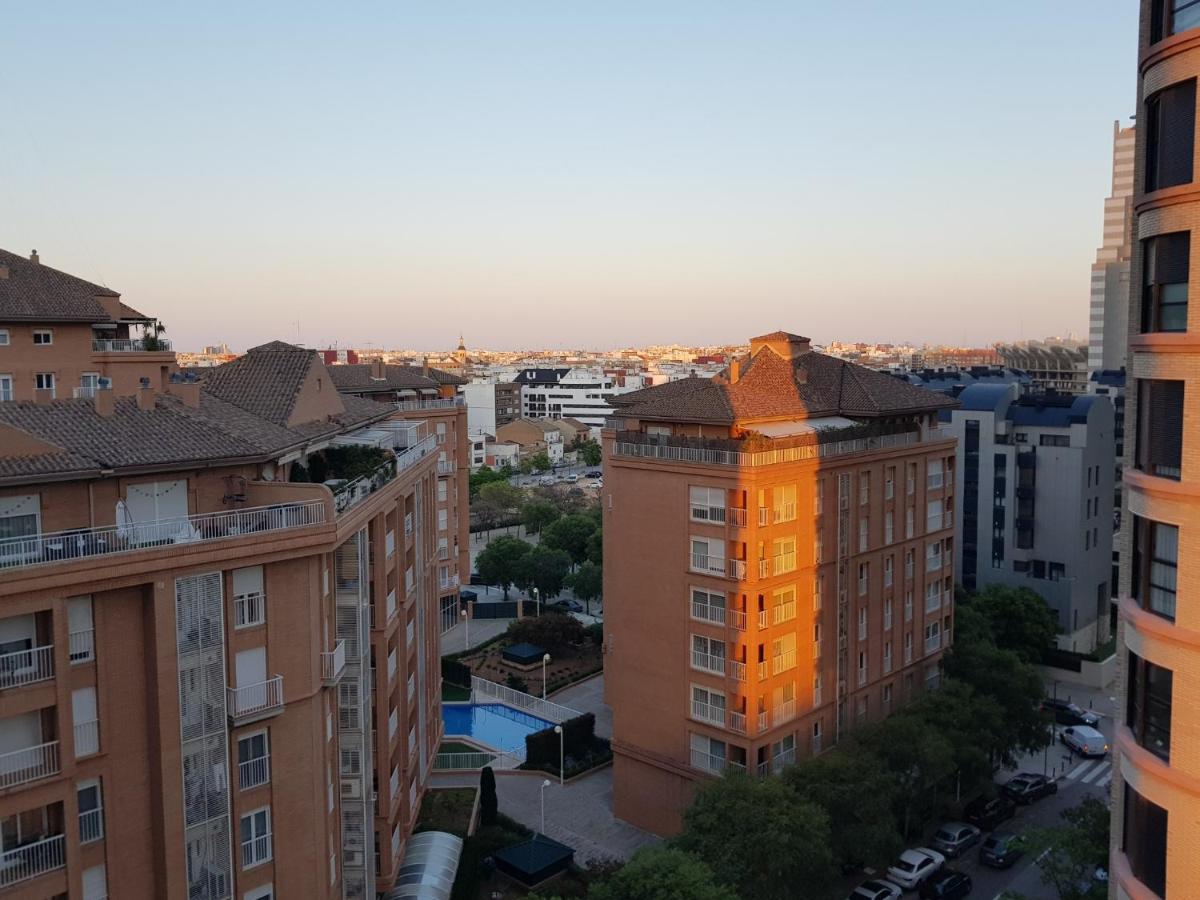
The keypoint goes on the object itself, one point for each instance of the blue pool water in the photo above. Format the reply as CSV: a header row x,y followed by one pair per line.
x,y
493,724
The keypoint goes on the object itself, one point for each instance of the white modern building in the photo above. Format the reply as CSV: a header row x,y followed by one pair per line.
x,y
1035,478
1108,325
569,393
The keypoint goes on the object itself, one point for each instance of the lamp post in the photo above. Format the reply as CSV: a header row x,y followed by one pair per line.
x,y
562,758
537,597
545,659
467,634
542,795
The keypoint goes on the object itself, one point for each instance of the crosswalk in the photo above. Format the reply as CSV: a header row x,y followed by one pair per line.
x,y
1097,772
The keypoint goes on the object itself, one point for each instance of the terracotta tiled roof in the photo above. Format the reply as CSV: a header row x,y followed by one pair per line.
x,y
442,377
265,381
357,377
33,291
780,336
771,387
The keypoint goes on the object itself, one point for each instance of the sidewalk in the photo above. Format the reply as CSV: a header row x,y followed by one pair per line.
x,y
454,640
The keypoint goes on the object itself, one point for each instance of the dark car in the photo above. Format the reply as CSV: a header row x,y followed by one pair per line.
x,y
1026,787
988,812
1001,850
947,884
875,890
1067,713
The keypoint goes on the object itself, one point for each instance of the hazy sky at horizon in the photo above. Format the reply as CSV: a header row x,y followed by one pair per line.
x,y
570,174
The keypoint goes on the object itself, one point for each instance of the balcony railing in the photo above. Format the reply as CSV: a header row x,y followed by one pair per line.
x,y
350,495
706,712
718,565
737,722
249,609
707,662
26,666
91,825
933,644
735,515
736,669
933,602
764,669
28,764
82,645
783,612
737,619
125,538
783,661
448,583
763,618
333,663
784,712
785,512
764,721
131,345
778,762
254,772
87,391
261,699
816,649
706,612
87,738
702,513
256,851
429,403
445,467
710,762
887,663
32,859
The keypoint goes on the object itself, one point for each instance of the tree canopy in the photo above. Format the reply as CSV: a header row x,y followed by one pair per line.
x,y
587,582
545,569
570,533
499,563
1019,618
537,513
1068,855
661,873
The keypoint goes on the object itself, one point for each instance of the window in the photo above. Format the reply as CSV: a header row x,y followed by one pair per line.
x,y
864,578
707,556
785,503
20,517
266,892
818,589
1168,17
249,601
910,485
886,697
909,519
933,596
707,504
908,564
44,381
708,705
863,527
708,606
256,837
862,623
889,527
5,340
43,337
864,488
887,614
933,516
933,556
862,667
1170,135
1148,705
933,474
889,482
443,521
908,647
707,753
443,490
1144,841
254,760
1165,282
908,606
888,566
6,388
91,811
933,636
783,607
708,654
1155,558
1160,427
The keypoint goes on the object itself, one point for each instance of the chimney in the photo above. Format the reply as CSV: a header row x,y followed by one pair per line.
x,y
425,366
377,369
3,273
786,346
145,395
33,258
735,371
105,405
186,389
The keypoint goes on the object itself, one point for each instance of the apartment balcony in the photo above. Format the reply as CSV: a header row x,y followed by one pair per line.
x,y
736,516
252,702
29,764
445,467
736,669
784,513
711,514
429,403
783,612
780,564
709,762
333,664
706,712
719,566
82,646
737,722
256,851
816,649
33,859
737,619
87,738
409,449
449,583
707,662
26,666
784,712
706,612
764,721
783,662
764,670
764,618
933,644
131,345
443,552
61,546
254,772
777,763
933,603
91,825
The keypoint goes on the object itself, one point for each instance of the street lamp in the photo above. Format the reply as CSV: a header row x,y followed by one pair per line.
x,y
542,794
467,634
545,659
562,758
537,596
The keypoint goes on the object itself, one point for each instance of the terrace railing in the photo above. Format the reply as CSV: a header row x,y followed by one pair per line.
x,y
481,688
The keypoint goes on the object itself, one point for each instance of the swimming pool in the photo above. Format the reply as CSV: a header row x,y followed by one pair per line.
x,y
493,724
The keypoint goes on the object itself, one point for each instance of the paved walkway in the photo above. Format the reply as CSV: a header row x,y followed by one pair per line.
x,y
578,813
588,696
454,640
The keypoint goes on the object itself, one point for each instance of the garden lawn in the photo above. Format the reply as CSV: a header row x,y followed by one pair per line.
x,y
447,809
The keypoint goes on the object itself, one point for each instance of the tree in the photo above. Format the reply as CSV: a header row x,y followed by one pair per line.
x,y
589,452
496,501
919,761
570,533
788,845
972,724
544,569
553,631
540,462
661,873
1020,619
537,513
595,548
499,562
857,794
152,336
525,466
1069,854
483,475
587,582
489,805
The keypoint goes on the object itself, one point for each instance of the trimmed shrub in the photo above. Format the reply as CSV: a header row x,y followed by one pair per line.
x,y
578,737
489,805
595,633
517,683
455,672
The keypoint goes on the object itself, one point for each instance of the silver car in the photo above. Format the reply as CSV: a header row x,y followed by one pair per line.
x,y
955,837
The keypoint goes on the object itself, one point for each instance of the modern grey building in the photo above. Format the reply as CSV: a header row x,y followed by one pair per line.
x,y
1035,481
1108,321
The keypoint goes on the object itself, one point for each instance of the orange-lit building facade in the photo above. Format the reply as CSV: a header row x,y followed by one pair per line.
x,y
1156,785
219,676
778,567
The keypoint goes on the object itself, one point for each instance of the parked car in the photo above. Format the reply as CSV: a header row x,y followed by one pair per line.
x,y
546,480
1084,740
572,478
948,884
954,838
1026,787
914,866
1001,850
988,812
476,578
1067,713
572,606
876,890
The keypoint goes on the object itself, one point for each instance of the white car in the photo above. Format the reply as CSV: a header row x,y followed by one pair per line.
x,y
876,890
1085,740
914,866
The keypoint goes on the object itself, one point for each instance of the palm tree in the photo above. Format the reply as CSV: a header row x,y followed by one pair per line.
x,y
152,336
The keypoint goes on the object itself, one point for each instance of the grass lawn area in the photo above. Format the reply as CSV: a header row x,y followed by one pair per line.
x,y
453,692
457,747
447,810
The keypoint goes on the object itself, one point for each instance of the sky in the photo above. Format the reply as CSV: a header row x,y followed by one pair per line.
x,y
570,174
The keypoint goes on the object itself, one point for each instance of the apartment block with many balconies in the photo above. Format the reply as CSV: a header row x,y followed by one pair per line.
x,y
218,637
778,566
1156,783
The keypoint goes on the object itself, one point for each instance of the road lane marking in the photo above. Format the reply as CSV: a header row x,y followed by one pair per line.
x,y
1099,770
1080,769
1106,781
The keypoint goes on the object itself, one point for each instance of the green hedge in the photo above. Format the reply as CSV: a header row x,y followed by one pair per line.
x,y
577,738
455,672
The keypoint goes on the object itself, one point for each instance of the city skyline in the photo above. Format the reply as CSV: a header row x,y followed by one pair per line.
x,y
550,178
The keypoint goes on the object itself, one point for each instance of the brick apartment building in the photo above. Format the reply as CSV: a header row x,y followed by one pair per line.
x,y
778,548
216,680
1156,784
